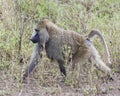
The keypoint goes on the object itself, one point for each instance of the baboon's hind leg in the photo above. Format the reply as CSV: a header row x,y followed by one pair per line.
x,y
96,58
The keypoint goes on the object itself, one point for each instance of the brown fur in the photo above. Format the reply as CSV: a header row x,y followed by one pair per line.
x,y
55,38
67,37
74,40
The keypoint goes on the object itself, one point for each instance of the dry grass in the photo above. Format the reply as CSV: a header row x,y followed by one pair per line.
x,y
16,22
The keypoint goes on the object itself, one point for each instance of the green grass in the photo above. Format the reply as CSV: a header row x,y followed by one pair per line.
x,y
18,16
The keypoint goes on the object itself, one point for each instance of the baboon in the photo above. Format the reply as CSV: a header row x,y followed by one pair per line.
x,y
52,38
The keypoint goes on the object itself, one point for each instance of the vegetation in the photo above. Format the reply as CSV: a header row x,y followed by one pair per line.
x,y
16,23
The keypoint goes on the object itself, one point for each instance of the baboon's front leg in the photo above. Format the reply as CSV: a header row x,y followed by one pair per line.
x,y
33,61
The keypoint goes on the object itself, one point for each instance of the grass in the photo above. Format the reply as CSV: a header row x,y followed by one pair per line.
x,y
16,23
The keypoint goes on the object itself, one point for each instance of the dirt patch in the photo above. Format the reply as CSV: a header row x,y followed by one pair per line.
x,y
10,87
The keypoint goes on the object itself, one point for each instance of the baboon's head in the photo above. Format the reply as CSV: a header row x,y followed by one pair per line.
x,y
40,32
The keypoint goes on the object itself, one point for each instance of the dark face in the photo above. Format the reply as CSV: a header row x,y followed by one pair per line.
x,y
40,33
35,36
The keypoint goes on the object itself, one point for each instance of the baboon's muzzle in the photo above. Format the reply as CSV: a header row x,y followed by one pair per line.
x,y
35,38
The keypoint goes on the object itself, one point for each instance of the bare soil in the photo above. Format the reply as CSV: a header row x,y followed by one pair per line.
x,y
33,87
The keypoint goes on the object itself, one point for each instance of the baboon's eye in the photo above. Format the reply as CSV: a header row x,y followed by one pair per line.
x,y
36,30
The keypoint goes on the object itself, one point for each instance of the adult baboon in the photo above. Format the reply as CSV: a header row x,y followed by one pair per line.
x,y
49,36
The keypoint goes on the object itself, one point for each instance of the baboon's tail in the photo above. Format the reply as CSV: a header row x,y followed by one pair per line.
x,y
98,33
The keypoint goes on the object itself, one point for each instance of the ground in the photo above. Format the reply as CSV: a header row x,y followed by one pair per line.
x,y
9,87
